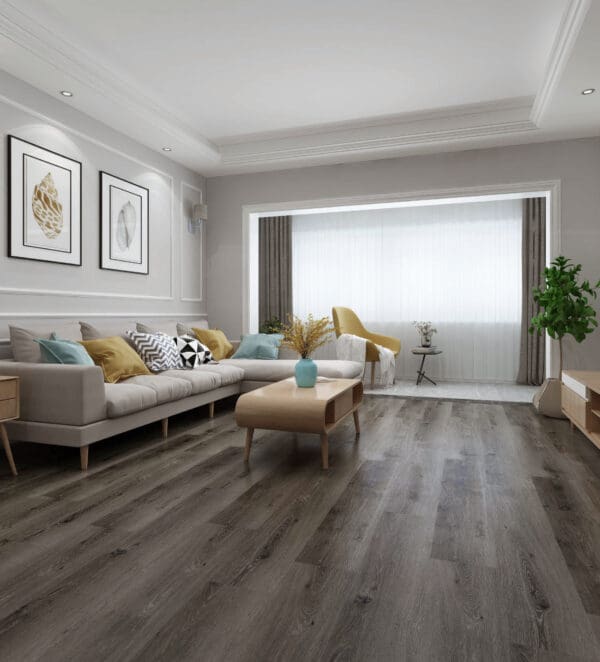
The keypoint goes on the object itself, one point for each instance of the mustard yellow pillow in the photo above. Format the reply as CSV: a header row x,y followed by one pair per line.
x,y
116,358
216,341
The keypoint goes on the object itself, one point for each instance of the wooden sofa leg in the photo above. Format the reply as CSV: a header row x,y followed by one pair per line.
x,y
372,374
7,450
211,410
165,427
83,457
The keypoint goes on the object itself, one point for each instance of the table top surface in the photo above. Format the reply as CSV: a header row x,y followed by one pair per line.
x,y
589,378
324,390
7,378
426,350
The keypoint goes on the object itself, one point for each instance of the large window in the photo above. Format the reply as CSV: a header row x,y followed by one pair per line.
x,y
457,265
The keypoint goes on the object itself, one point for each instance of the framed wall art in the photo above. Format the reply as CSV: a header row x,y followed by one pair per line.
x,y
44,204
124,225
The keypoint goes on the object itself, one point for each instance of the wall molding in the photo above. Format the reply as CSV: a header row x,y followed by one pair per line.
x,y
202,248
109,148
35,315
21,291
570,26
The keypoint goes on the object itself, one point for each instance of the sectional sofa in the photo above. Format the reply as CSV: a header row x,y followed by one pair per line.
x,y
71,405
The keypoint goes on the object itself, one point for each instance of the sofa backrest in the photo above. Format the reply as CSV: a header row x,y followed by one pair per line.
x,y
69,329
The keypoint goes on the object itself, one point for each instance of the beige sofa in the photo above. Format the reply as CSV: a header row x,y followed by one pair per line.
x,y
70,405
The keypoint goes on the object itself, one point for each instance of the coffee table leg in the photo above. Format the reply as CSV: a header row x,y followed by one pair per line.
x,y
325,451
7,450
249,434
356,422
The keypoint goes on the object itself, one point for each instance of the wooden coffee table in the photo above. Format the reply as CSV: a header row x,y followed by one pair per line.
x,y
285,406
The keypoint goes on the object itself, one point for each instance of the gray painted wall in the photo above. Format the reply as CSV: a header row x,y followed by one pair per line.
x,y
575,163
29,289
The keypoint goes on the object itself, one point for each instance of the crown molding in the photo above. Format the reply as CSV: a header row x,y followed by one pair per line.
x,y
34,32
568,31
271,153
31,34
461,111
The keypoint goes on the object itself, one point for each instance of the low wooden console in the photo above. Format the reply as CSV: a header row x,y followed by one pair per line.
x,y
580,393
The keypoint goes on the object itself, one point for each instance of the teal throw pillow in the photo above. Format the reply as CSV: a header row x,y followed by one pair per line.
x,y
57,350
259,346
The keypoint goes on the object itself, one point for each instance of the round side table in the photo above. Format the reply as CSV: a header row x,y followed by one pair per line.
x,y
423,352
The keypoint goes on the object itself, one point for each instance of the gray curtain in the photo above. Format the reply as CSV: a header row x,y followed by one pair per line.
x,y
275,268
533,346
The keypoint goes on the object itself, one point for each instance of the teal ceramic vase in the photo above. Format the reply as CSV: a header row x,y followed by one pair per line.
x,y
306,373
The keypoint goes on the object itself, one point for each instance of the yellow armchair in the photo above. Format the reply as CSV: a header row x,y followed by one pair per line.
x,y
345,320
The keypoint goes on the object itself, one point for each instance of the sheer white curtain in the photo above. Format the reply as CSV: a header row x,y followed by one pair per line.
x,y
456,265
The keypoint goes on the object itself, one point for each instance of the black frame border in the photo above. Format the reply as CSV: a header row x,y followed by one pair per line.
x,y
127,271
9,200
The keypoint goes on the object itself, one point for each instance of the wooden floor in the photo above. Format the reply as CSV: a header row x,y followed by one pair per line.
x,y
450,531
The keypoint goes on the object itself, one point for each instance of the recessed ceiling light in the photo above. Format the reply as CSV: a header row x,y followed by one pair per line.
x,y
589,90
167,149
66,93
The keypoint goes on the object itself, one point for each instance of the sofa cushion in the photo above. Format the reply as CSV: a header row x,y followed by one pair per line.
x,y
99,331
25,349
259,346
117,359
229,374
157,350
123,399
66,352
273,371
200,380
185,328
168,327
166,388
216,341
192,353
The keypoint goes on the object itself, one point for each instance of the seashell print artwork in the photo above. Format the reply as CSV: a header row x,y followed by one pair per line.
x,y
126,226
47,210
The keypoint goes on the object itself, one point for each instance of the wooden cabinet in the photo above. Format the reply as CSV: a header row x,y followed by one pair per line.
x,y
580,395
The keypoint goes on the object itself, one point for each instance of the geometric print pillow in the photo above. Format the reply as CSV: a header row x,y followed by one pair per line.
x,y
156,350
192,352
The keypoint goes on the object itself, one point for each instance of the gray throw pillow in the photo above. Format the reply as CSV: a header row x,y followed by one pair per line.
x,y
170,328
24,347
89,332
185,330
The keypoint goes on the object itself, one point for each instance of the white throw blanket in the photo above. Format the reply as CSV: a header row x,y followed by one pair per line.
x,y
353,348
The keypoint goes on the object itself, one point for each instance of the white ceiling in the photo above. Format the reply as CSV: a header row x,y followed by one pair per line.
x,y
234,85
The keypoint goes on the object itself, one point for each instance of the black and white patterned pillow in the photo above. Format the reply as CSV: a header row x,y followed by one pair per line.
x,y
192,352
156,350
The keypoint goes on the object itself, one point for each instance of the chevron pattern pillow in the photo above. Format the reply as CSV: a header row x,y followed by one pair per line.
x,y
156,350
192,352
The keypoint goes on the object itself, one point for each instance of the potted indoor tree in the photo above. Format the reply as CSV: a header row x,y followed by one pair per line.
x,y
565,310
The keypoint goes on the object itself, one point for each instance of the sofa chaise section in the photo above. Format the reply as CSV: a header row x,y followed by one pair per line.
x,y
259,372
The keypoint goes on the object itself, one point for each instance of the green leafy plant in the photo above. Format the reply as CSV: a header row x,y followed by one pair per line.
x,y
273,325
565,304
